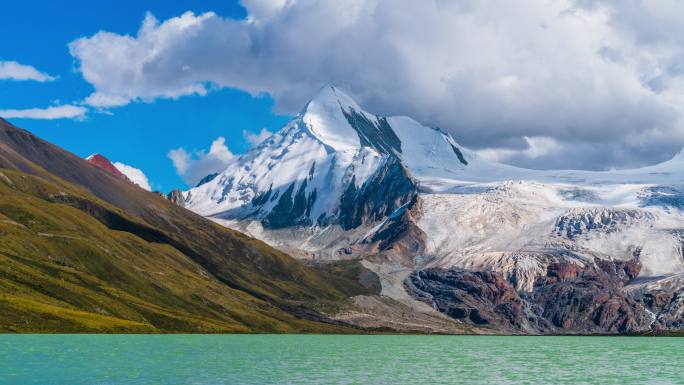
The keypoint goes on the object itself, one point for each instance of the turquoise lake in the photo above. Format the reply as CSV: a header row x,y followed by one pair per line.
x,y
326,359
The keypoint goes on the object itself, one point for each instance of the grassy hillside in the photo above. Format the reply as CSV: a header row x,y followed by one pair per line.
x,y
61,269
81,250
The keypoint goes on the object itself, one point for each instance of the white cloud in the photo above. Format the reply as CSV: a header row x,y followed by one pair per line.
x,y
12,70
181,160
66,111
121,67
254,139
259,10
536,147
193,167
606,78
134,174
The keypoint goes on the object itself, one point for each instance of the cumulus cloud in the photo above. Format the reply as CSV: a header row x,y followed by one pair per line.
x,y
136,175
181,160
11,70
254,139
192,167
66,111
604,80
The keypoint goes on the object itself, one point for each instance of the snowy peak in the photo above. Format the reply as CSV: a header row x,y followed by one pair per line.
x,y
334,97
331,159
334,158
338,121
324,116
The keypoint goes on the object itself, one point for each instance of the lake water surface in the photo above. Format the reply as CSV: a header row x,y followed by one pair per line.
x,y
321,359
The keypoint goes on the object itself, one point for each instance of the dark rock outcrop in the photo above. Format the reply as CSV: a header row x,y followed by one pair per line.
x,y
262,198
387,190
570,298
176,196
398,237
291,211
459,155
207,179
590,299
380,136
665,299
480,298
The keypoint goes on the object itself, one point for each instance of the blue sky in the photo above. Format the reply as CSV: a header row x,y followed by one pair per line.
x,y
138,134
563,84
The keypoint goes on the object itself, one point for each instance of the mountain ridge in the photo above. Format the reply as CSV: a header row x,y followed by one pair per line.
x,y
359,141
219,279
338,183
396,226
328,159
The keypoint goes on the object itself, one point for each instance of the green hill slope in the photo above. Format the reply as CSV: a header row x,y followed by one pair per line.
x,y
83,251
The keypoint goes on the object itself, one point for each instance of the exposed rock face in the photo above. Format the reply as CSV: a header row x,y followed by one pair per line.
x,y
570,298
176,196
668,307
387,190
100,161
375,134
398,237
459,154
333,164
591,299
525,249
207,179
292,209
665,299
479,298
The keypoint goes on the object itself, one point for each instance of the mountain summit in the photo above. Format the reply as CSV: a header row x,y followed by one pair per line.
x,y
336,163
450,233
333,163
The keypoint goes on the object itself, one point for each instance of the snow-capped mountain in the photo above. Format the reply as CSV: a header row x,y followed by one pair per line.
x,y
333,148
325,165
547,251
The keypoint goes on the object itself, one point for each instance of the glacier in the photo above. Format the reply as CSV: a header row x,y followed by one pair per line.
x,y
338,182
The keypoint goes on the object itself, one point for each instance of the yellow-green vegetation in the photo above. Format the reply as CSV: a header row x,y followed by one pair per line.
x,y
71,262
82,250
